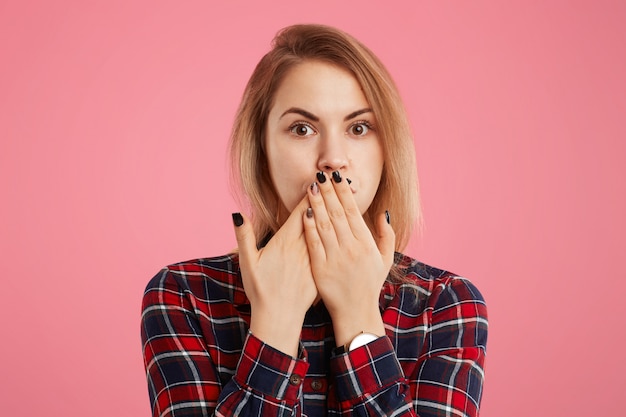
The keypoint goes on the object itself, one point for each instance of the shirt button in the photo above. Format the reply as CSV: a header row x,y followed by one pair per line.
x,y
316,385
295,379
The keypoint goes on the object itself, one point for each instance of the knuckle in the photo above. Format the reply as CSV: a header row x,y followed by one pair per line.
x,y
353,253
352,211
317,245
325,225
337,213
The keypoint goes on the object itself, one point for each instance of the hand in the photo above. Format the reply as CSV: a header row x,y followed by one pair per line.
x,y
277,280
349,266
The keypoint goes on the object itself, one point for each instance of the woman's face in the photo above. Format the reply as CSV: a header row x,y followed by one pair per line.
x,y
320,121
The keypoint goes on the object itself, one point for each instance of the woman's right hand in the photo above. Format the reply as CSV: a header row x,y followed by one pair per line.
x,y
277,280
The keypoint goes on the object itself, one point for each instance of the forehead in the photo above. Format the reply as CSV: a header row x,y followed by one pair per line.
x,y
319,87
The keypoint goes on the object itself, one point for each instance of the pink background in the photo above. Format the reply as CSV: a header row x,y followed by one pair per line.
x,y
114,120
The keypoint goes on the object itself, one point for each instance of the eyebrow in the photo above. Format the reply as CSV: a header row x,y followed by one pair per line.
x,y
311,116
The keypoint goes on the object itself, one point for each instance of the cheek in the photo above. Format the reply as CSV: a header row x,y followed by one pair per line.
x,y
374,162
289,177
374,166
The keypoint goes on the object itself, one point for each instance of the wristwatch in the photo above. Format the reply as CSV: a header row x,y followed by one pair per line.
x,y
359,340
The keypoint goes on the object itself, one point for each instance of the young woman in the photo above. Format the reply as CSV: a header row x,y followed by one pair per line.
x,y
317,313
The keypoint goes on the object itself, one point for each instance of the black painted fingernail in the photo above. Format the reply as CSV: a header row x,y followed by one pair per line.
x,y
336,176
314,188
321,177
349,180
237,219
387,217
309,212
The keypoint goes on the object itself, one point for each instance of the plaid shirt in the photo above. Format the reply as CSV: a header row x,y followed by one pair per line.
x,y
201,359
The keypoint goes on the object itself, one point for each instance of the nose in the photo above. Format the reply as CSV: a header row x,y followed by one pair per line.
x,y
332,154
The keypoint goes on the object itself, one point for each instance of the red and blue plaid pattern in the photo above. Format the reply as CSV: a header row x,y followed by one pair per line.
x,y
201,360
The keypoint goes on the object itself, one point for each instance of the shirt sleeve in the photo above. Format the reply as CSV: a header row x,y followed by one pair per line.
x,y
450,372
182,379
370,381
448,376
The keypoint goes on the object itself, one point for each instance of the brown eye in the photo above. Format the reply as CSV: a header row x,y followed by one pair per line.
x,y
302,130
359,129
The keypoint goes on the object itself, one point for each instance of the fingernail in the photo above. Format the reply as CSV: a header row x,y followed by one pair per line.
x,y
237,219
387,217
336,176
349,180
321,177
315,188
309,212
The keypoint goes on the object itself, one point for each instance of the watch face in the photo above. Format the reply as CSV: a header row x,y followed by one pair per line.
x,y
362,339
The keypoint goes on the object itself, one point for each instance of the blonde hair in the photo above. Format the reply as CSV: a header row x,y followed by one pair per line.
x,y
398,189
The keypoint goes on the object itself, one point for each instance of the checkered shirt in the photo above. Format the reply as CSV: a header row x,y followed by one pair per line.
x,y
201,359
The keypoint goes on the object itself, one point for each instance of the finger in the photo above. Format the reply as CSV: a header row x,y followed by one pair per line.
x,y
327,227
292,228
386,241
330,215
314,244
246,240
343,190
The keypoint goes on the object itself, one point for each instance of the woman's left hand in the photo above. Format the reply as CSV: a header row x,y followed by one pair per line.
x,y
349,266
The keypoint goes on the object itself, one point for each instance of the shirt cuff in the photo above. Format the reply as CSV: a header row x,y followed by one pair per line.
x,y
366,369
271,372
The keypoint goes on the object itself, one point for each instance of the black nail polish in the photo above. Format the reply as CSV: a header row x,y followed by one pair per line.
x,y
237,219
336,176
309,212
349,180
387,217
321,178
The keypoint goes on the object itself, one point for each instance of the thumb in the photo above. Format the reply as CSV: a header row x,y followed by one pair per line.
x,y
246,240
386,238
